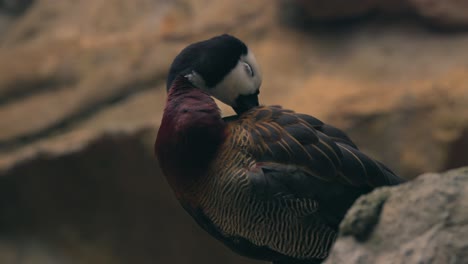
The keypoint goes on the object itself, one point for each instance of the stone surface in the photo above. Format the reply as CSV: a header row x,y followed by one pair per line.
x,y
72,72
106,203
449,14
422,221
329,10
14,7
446,14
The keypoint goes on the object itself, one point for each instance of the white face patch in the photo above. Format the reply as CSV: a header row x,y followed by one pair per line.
x,y
240,81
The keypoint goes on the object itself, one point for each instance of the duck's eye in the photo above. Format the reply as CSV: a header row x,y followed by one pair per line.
x,y
248,69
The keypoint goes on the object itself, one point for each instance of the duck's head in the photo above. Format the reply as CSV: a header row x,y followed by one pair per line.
x,y
224,67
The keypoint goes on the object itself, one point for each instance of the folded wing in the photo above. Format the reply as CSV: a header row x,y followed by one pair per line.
x,y
299,156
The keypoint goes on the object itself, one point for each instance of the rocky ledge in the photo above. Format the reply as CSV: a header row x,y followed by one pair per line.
x,y
80,80
447,15
422,221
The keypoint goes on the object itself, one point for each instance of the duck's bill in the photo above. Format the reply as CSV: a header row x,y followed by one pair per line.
x,y
245,103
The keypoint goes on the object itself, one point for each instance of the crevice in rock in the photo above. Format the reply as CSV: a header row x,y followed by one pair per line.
x,y
295,16
70,187
458,152
71,120
105,203
15,7
22,89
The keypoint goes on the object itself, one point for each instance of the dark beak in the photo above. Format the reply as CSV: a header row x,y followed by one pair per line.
x,y
245,103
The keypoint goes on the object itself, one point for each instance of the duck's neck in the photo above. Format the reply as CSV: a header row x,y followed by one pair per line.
x,y
189,137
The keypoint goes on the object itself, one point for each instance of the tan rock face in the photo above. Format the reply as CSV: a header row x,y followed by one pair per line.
x,y
446,14
423,221
72,71
14,7
104,204
331,10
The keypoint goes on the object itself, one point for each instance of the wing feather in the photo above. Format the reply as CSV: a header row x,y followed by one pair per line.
x,y
317,151
297,156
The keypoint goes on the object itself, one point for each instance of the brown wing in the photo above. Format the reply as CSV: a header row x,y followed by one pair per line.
x,y
282,136
299,155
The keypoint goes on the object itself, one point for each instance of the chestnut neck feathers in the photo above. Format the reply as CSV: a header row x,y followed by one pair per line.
x,y
190,134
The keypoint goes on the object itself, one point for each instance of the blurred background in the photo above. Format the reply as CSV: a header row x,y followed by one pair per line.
x,y
82,90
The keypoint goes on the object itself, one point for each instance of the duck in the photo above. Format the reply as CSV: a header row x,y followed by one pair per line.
x,y
269,183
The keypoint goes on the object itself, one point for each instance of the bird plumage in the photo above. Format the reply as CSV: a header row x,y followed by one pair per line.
x,y
270,184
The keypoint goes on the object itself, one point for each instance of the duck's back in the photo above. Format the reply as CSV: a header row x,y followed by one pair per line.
x,y
280,227
281,183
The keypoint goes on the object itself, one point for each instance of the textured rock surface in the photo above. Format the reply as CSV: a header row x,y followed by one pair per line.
x,y
330,10
74,71
14,6
449,14
423,221
104,204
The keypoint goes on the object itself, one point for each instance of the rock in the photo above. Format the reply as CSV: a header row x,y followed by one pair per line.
x,y
15,6
72,70
434,110
103,66
312,13
75,72
422,221
328,10
365,215
105,203
449,14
